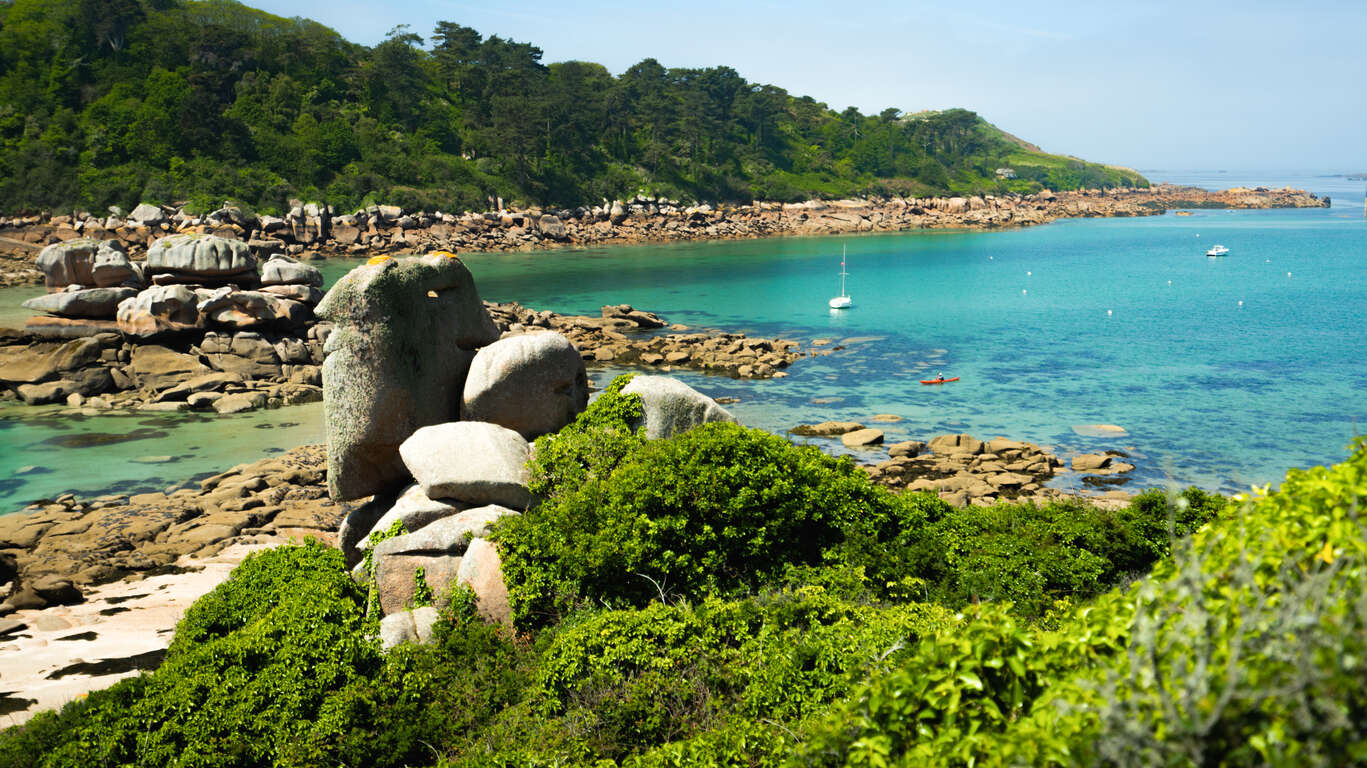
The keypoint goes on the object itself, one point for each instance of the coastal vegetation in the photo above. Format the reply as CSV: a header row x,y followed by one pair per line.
x,y
702,610
126,101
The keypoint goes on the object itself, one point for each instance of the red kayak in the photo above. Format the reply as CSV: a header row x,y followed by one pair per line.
x,y
939,381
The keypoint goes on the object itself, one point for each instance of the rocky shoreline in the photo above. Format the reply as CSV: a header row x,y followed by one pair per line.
x,y
230,372
316,229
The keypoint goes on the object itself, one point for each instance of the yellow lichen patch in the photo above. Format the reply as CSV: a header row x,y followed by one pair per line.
x,y
447,254
379,259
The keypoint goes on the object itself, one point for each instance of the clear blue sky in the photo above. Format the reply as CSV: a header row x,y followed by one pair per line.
x,y
1253,85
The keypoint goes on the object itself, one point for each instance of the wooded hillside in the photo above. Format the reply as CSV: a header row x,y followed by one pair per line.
x,y
112,102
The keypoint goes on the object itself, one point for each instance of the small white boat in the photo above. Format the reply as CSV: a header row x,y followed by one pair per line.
x,y
1218,250
842,301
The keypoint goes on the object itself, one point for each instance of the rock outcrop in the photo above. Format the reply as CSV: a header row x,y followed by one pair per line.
x,y
312,227
671,406
88,541
396,361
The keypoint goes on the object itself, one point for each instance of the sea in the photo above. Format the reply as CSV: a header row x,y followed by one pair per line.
x,y
1222,372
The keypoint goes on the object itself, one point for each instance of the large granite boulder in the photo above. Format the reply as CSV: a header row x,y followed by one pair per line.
x,y
159,308
87,302
86,262
671,406
948,444
396,577
147,214
305,294
415,510
200,256
396,361
282,270
473,461
439,550
415,626
112,267
534,383
481,570
862,438
246,354
449,535
156,367
358,523
551,226
40,362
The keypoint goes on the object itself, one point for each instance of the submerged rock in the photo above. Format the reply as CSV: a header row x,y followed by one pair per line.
x,y
827,429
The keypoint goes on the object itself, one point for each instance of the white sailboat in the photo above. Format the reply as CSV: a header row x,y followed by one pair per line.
x,y
842,301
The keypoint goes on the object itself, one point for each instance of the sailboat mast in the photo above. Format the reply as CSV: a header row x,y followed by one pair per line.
x,y
842,270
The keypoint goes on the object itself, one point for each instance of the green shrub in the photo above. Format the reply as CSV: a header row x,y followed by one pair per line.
x,y
1247,648
589,447
718,510
1037,557
950,697
615,684
251,665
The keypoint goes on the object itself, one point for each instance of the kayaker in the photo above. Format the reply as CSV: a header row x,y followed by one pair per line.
x,y
941,377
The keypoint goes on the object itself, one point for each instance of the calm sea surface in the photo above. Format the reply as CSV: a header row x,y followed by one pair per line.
x,y
1225,372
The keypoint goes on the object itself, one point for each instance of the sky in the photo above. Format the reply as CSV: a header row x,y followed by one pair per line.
x,y
1253,85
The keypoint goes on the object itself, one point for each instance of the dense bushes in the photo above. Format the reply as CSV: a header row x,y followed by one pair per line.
x,y
719,510
1036,556
1244,646
722,510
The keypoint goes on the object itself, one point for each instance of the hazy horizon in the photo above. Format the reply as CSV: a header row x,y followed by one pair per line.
x,y
1166,85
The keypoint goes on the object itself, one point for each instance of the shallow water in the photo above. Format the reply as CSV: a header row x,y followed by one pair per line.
x,y
1080,322
48,450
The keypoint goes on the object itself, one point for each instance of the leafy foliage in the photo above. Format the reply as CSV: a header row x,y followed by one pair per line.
x,y
1036,556
117,101
1245,648
718,510
1245,645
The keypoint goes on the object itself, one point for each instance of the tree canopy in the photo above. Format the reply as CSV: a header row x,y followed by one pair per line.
x,y
111,102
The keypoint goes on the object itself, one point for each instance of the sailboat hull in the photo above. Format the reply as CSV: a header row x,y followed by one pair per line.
x,y
841,302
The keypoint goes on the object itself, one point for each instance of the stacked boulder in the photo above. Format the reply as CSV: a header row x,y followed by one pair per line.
x,y
432,414
200,323
188,282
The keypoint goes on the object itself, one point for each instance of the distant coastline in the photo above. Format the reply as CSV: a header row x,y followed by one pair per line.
x,y
317,231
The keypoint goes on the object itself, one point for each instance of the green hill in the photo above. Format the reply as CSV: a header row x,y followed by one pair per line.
x,y
110,102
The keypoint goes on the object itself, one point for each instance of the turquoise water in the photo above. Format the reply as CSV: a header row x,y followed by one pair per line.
x,y
1115,321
